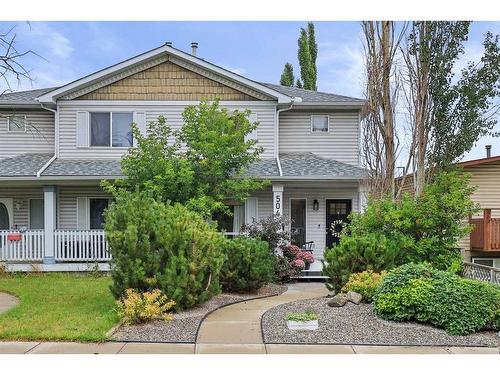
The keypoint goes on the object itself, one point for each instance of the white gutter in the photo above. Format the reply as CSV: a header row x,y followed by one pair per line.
x,y
294,100
46,165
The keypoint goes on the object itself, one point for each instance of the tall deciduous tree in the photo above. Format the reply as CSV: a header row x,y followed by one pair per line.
x,y
380,138
287,77
448,114
307,54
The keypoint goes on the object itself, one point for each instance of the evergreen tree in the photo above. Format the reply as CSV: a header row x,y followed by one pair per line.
x,y
307,54
298,84
313,50
287,78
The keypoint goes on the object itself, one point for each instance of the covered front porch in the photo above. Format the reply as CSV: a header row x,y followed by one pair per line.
x,y
53,227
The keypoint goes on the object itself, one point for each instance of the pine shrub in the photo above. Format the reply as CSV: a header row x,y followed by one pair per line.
x,y
157,245
249,265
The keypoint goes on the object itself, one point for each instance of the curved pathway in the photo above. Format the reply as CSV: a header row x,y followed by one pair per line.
x,y
7,301
237,327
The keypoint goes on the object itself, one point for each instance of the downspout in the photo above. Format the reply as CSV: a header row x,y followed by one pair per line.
x,y
46,165
277,147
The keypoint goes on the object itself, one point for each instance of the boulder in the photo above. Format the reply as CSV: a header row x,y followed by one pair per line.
x,y
338,300
354,297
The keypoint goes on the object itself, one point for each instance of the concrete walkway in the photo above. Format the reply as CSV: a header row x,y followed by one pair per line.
x,y
7,302
239,324
157,348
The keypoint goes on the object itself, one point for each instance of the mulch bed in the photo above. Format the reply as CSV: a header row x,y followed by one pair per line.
x,y
183,328
358,325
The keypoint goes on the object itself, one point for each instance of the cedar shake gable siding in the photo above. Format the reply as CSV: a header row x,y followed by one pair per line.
x,y
166,81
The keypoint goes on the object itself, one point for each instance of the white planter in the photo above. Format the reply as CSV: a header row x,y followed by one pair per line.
x,y
310,325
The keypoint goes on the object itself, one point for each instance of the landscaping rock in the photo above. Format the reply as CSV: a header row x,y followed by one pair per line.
x,y
338,301
354,297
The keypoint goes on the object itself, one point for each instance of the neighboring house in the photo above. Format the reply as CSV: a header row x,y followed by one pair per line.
x,y
483,244
57,144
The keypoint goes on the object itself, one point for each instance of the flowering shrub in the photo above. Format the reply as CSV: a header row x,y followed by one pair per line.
x,y
284,270
136,307
306,257
291,251
364,283
299,263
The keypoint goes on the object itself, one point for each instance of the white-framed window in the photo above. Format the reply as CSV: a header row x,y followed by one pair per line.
x,y
490,262
90,212
16,123
231,223
36,213
111,129
320,123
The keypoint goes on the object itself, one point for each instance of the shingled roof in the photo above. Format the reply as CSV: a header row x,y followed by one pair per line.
x,y
25,165
12,99
309,96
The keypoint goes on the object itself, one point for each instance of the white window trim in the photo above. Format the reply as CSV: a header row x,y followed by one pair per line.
x,y
29,212
494,260
328,123
110,130
9,204
16,131
88,208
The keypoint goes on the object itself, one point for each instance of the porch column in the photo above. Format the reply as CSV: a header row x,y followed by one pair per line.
x,y
50,212
362,196
278,199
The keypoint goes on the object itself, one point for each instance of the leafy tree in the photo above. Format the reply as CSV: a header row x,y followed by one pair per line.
x,y
313,50
390,233
305,60
287,77
200,165
448,113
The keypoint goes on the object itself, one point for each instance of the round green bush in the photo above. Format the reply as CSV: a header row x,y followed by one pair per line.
x,y
364,283
249,264
157,245
419,292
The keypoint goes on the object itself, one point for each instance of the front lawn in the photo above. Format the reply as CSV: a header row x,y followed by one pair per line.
x,y
58,307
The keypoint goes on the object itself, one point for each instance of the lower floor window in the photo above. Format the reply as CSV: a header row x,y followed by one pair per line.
x,y
490,262
298,221
96,210
36,214
231,222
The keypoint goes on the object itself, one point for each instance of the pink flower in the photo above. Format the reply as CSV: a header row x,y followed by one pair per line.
x,y
305,256
291,251
299,263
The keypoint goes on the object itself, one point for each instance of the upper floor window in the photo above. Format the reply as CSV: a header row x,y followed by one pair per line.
x,y
16,123
320,123
111,129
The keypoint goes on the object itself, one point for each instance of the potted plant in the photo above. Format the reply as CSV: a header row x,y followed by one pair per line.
x,y
307,320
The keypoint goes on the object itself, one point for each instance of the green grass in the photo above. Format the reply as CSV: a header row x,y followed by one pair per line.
x,y
302,316
58,307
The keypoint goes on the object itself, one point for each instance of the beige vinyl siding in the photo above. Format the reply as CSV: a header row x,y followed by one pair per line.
x,y
67,196
173,116
341,142
486,179
38,138
21,197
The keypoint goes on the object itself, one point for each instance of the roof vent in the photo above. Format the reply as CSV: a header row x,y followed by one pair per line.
x,y
168,44
194,47
488,151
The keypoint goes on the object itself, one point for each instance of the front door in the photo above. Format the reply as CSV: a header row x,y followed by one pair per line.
x,y
337,211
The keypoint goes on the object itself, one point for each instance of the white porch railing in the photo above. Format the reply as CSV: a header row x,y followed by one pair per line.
x,y
81,245
29,247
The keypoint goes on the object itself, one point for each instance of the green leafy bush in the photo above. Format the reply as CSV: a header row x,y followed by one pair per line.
x,y
391,233
422,293
157,245
136,307
364,283
284,270
249,264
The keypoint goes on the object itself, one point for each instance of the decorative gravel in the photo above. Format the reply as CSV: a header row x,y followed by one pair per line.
x,y
358,325
183,328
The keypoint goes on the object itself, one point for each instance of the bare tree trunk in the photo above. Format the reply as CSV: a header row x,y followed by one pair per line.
x,y
381,92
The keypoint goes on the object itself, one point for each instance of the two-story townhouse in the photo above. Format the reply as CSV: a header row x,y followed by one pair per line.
x,y
57,144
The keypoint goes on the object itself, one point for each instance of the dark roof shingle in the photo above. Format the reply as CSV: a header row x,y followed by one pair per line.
x,y
25,165
85,168
309,96
23,97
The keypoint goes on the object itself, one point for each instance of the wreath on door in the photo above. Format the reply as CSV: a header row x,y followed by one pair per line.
x,y
337,226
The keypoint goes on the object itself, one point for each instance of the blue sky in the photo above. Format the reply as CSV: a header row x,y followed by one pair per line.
x,y
257,50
